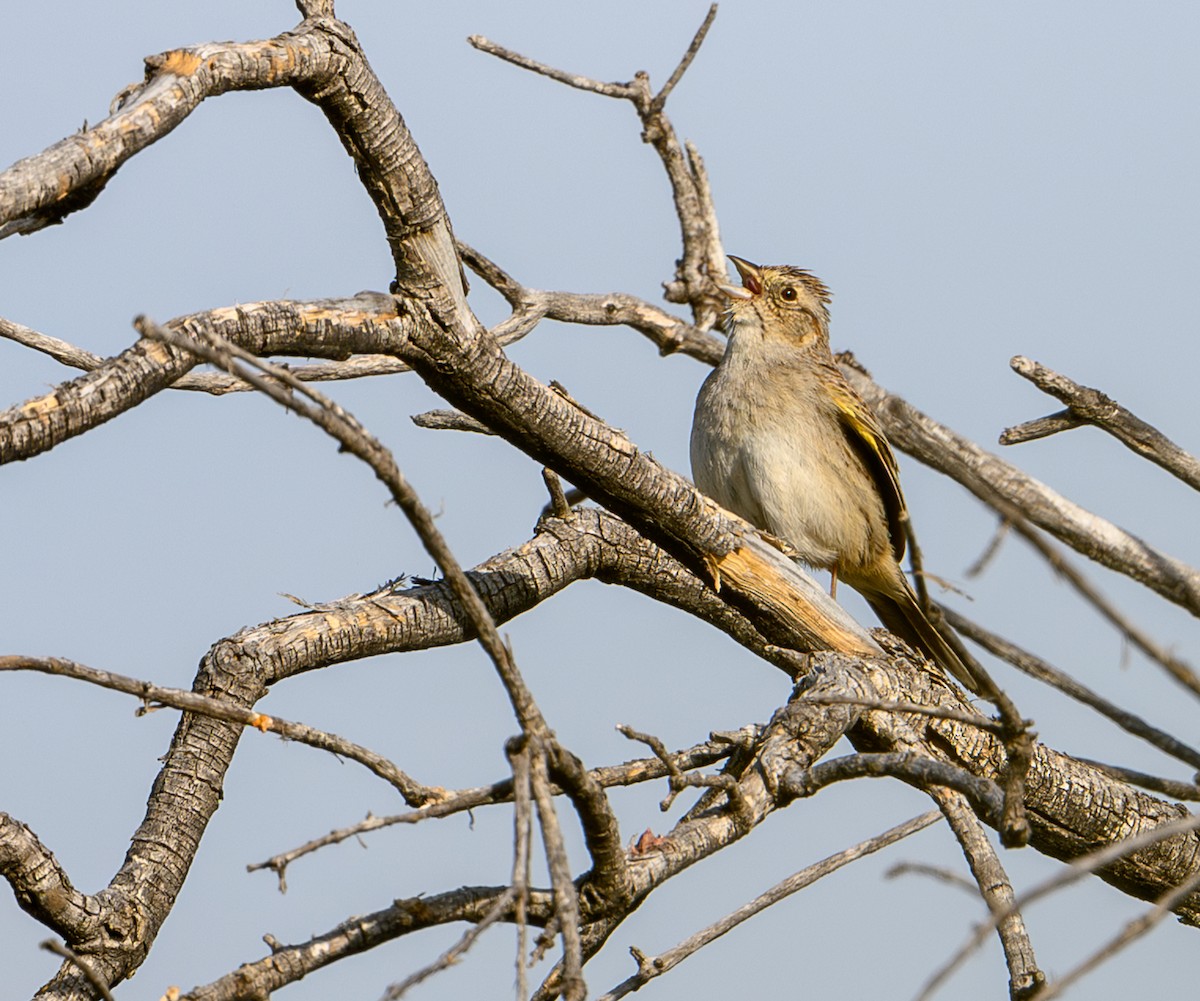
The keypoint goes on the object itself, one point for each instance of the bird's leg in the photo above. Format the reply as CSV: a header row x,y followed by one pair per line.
x,y
833,581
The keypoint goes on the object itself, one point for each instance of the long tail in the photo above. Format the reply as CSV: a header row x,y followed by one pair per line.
x,y
903,616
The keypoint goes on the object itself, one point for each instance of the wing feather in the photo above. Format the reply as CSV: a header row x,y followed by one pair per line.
x,y
867,440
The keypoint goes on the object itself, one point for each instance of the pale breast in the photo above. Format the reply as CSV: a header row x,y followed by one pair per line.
x,y
783,463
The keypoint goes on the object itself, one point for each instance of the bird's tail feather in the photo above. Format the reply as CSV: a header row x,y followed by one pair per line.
x,y
902,615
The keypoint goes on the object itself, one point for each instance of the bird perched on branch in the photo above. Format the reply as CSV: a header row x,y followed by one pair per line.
x,y
780,438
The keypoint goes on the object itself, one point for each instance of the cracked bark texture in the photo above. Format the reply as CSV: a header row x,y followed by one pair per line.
x,y
657,535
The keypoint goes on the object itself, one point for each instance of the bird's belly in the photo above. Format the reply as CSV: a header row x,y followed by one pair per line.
x,y
805,504
777,486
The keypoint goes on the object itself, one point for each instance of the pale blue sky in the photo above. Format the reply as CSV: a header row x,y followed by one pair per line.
x,y
973,182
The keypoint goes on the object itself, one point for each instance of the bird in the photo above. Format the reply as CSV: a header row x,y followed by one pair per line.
x,y
781,439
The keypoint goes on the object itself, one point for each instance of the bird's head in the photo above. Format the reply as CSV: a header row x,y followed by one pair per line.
x,y
778,301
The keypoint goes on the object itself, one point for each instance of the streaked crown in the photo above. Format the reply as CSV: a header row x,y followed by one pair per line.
x,y
781,293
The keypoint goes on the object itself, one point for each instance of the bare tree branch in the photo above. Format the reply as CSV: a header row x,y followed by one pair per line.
x,y
1178,668
288,963
1130,933
1035,667
354,438
330,328
658,536
985,475
1090,406
566,899
650,967
1024,976
1093,862
506,332
669,334
153,696
462,800
41,885
702,261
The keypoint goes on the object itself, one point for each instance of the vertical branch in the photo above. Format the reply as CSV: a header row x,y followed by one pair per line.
x,y
1024,976
566,900
703,258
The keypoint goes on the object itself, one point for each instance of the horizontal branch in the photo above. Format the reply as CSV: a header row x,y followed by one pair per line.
x,y
365,366
326,328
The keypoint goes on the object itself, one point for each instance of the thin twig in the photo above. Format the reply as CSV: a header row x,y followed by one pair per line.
x,y
990,550
522,856
57,349
502,905
1035,667
1134,930
656,966
414,793
701,262
943,875
692,50
620,90
678,781
463,800
988,477
85,967
1178,668
1071,873
566,899
1173,788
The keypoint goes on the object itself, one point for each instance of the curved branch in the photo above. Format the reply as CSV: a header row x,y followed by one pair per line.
x,y
917,770
670,334
322,60
42,887
43,189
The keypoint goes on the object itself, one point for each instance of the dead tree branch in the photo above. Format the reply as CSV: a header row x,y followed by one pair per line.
x,y
1090,406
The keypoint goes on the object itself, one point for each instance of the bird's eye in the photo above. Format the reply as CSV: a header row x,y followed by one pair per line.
x,y
788,293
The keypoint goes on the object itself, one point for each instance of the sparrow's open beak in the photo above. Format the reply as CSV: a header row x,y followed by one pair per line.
x,y
751,280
